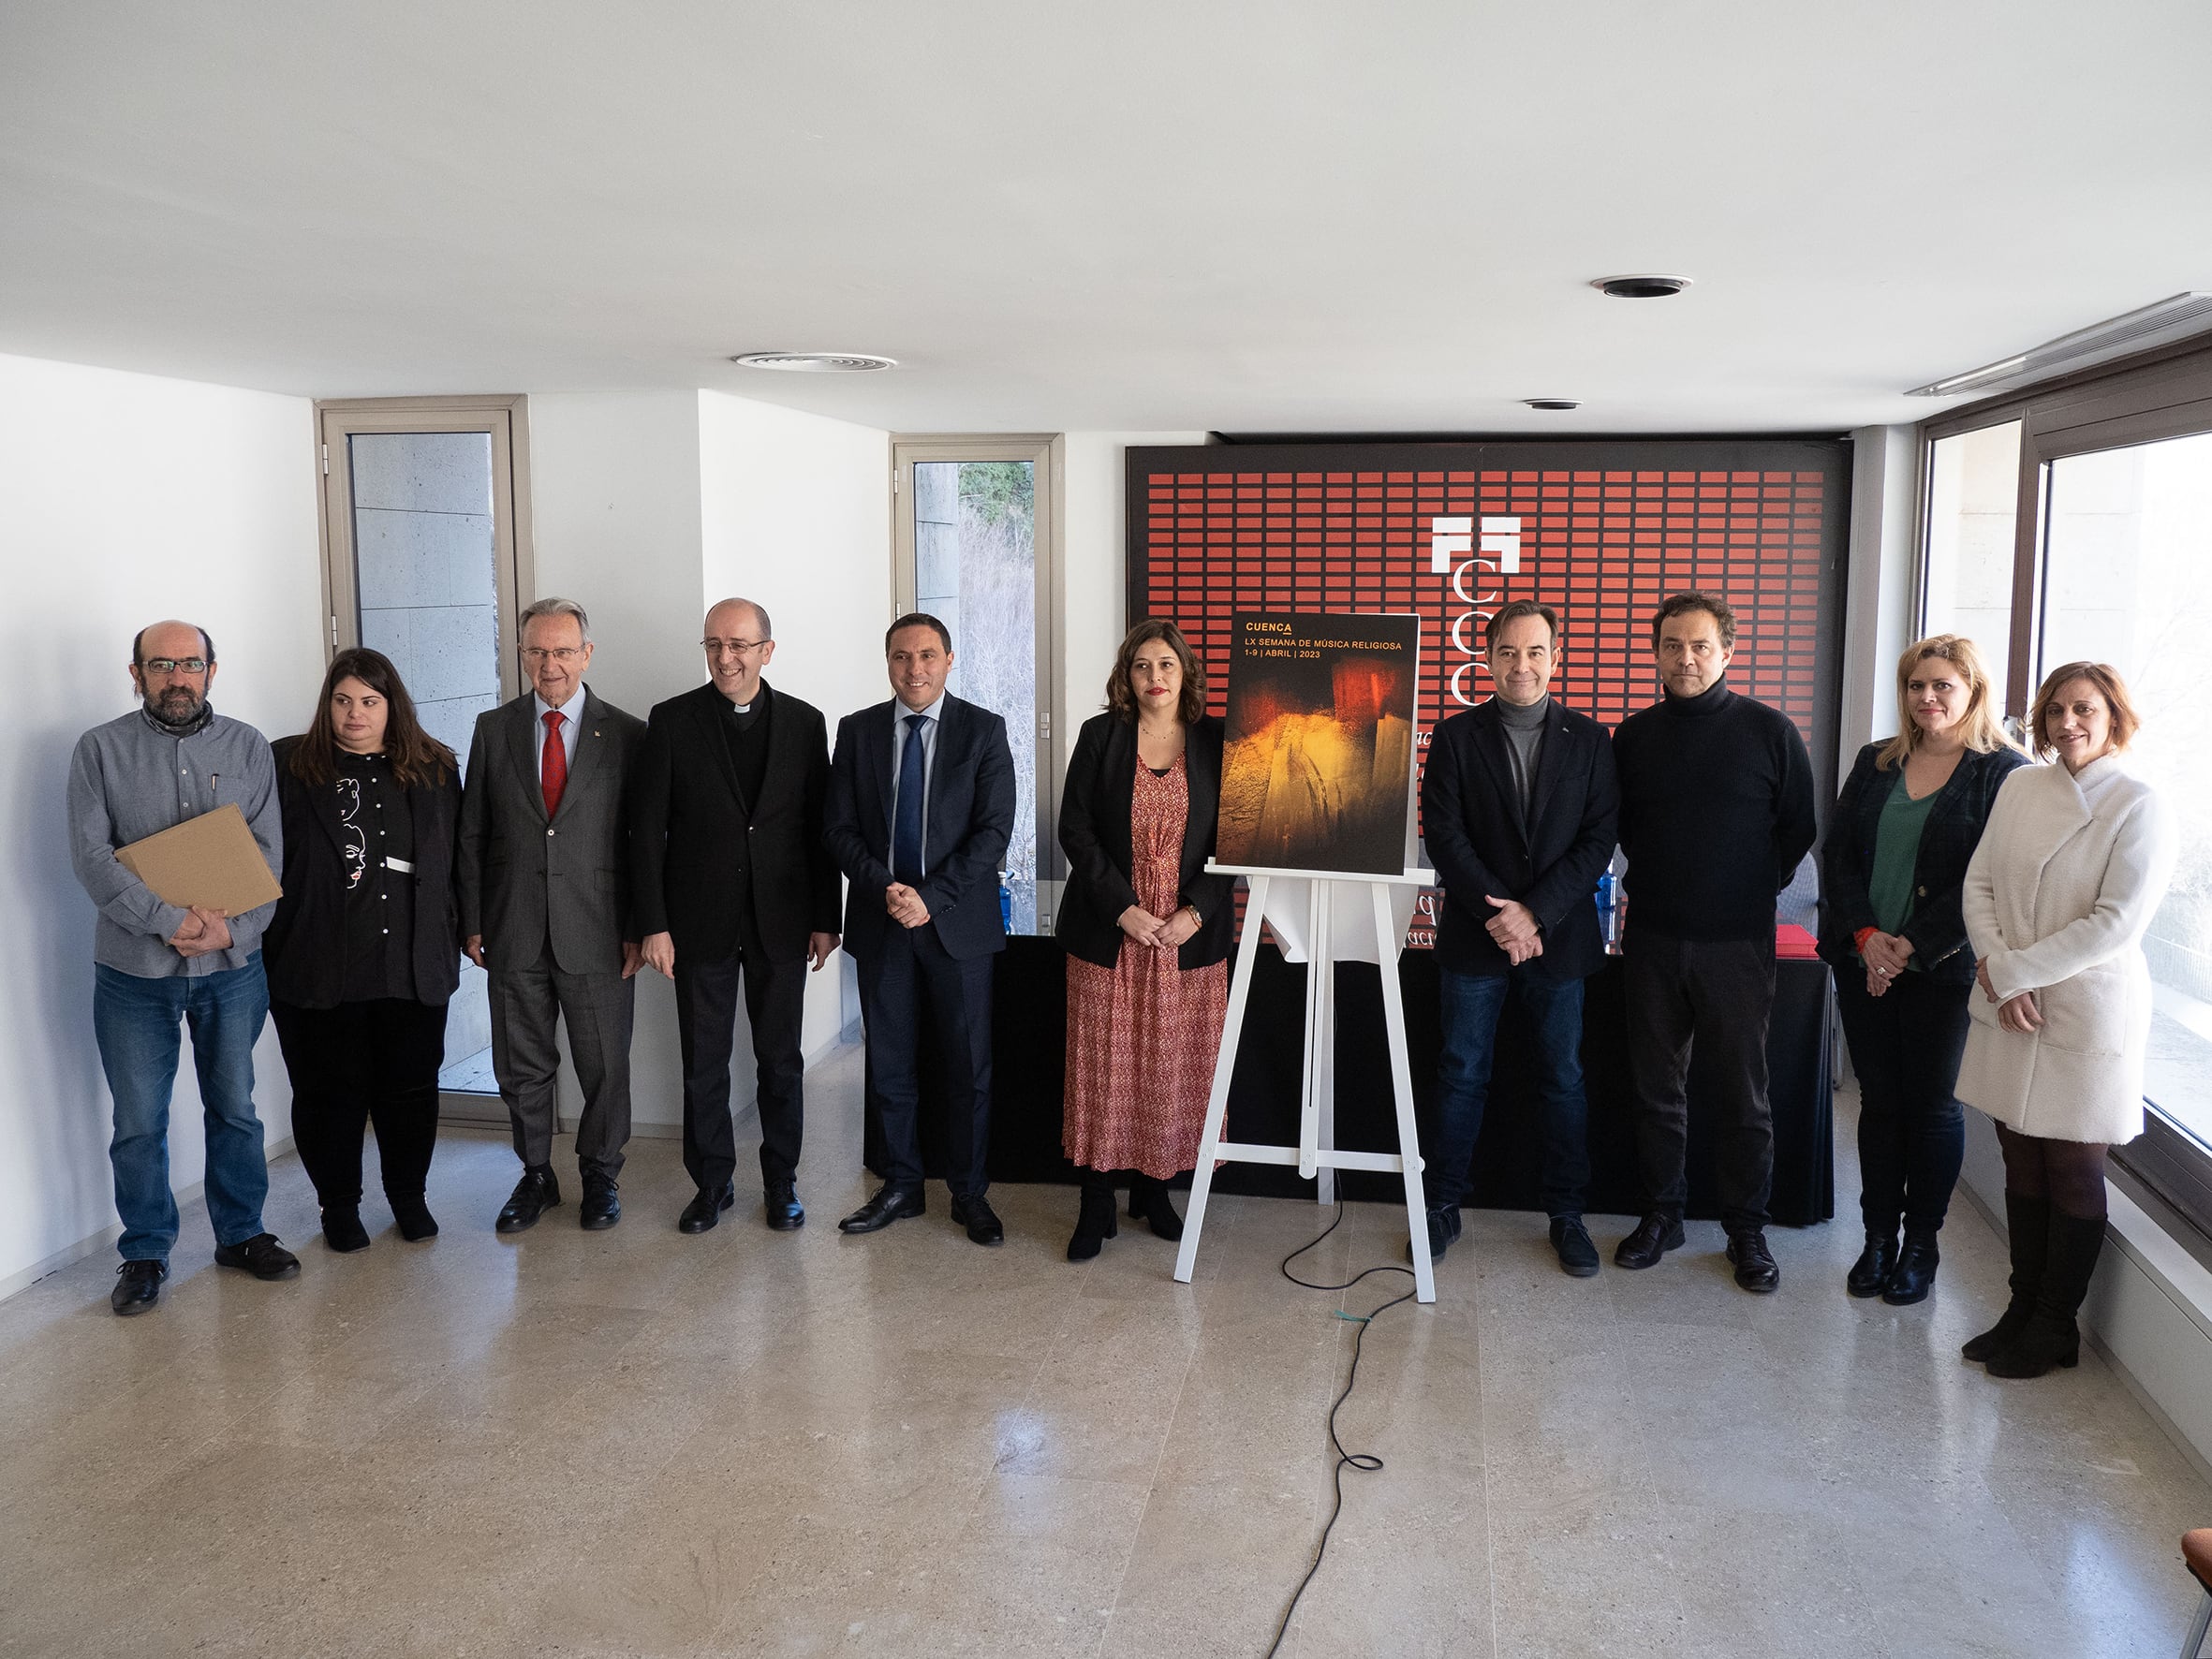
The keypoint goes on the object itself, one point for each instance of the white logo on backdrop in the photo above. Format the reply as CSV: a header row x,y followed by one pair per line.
x,y
1454,549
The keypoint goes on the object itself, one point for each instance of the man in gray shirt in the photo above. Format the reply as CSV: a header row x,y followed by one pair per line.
x,y
156,965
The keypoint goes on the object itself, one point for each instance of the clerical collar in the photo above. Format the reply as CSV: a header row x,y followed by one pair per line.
x,y
198,723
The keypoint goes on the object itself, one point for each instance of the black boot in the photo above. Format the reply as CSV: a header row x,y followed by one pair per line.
x,y
2028,1221
1149,1201
1914,1276
1093,1223
2050,1337
1871,1272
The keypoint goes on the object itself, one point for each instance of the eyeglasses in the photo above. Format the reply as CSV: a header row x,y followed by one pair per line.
x,y
733,647
174,664
564,654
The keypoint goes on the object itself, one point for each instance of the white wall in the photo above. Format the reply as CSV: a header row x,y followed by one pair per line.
x,y
123,499
1094,567
616,525
1879,598
796,513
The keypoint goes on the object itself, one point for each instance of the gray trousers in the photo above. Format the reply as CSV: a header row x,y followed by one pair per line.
x,y
600,1009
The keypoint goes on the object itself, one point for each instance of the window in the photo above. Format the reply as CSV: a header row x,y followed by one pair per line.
x,y
1973,503
426,545
975,548
2076,522
2129,535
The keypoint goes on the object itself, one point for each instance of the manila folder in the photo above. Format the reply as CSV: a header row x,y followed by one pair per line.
x,y
212,862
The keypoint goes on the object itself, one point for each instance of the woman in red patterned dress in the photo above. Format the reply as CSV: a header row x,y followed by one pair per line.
x,y
1147,933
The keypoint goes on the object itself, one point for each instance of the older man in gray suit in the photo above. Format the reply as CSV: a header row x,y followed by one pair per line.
x,y
543,880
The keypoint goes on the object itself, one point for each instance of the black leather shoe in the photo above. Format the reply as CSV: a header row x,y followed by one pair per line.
x,y
1573,1244
1914,1276
981,1221
1871,1272
705,1208
1443,1231
343,1232
890,1204
138,1286
414,1218
260,1255
601,1206
1655,1234
533,1195
782,1210
1755,1266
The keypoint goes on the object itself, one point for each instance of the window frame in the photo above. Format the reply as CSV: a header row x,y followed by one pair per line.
x,y
1046,452
2143,399
506,420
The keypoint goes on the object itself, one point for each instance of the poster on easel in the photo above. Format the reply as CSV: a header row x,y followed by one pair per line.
x,y
1317,770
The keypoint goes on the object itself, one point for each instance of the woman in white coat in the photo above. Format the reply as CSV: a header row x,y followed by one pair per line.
x,y
2058,894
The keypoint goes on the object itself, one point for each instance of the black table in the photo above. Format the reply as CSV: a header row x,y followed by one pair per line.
x,y
1029,1044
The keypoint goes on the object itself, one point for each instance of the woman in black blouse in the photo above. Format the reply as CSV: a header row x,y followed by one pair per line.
x,y
364,949
1893,874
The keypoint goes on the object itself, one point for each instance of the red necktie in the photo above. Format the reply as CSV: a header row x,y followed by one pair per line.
x,y
552,765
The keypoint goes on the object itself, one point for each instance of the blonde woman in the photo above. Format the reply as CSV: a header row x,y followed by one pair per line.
x,y
1892,874
2058,895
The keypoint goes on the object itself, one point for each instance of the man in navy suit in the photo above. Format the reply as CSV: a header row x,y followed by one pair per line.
x,y
921,802
1518,808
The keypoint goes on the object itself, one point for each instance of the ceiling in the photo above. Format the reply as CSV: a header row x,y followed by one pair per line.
x,y
1280,215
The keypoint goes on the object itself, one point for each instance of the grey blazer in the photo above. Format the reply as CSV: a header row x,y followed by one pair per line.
x,y
520,877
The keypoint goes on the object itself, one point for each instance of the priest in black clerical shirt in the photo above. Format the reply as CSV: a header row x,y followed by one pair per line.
x,y
735,889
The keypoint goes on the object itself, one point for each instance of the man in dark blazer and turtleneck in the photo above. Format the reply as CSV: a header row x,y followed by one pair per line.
x,y
1716,812
921,805
1518,805
736,888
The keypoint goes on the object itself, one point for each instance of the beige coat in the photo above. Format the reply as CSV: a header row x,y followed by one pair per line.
x,y
2058,898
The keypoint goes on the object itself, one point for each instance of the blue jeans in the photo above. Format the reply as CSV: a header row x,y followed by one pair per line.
x,y
135,1021
1551,1010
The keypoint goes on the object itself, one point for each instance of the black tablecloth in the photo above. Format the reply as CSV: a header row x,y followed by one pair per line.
x,y
1029,1046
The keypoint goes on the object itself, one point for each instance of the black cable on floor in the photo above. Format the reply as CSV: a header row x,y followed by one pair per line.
x,y
1366,1462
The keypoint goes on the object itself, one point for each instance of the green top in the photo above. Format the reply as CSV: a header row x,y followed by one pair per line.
x,y
1897,851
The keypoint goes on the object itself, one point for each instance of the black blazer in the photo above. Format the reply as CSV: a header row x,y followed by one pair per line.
x,y
695,849
1095,809
304,949
1470,822
1947,841
971,817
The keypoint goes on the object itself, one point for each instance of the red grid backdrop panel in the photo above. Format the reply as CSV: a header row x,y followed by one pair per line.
x,y
1602,546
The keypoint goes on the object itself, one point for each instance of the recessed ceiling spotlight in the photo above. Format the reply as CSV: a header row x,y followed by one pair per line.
x,y
1640,288
1552,403
816,363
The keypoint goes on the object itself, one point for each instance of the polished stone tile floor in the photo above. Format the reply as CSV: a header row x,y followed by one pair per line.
x,y
636,1443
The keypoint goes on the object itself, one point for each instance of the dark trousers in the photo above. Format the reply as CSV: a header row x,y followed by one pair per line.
x,y
706,1019
1551,1010
1715,995
358,1064
913,980
1905,1045
599,1010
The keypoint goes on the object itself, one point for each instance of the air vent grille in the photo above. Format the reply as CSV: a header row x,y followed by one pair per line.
x,y
2169,319
816,363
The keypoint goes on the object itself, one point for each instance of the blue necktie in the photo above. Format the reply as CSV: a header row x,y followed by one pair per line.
x,y
905,831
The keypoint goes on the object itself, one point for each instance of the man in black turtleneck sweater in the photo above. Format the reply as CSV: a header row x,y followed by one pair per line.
x,y
1717,812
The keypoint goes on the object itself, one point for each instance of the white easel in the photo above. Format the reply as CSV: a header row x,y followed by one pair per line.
x,y
1325,916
